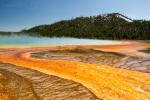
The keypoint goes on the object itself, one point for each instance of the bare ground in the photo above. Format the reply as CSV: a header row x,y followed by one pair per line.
x,y
147,50
18,83
98,57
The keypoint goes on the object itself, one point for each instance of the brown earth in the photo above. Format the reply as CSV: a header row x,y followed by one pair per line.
x,y
106,82
17,83
98,57
147,50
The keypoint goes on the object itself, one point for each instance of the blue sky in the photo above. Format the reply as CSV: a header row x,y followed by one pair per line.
x,y
19,14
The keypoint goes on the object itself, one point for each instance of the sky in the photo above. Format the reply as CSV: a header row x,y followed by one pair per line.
x,y
16,15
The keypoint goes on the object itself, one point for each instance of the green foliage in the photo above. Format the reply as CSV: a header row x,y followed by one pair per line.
x,y
108,26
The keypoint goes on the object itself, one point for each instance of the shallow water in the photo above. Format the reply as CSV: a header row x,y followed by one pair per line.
x,y
25,40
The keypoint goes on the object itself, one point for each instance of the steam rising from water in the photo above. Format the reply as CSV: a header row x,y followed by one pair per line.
x,y
26,40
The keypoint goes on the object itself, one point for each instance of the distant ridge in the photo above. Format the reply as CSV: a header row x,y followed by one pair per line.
x,y
105,26
123,17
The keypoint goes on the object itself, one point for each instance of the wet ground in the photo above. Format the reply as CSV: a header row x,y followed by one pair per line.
x,y
107,82
147,50
98,57
18,83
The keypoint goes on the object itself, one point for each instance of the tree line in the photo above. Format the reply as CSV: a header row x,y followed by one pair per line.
x,y
109,26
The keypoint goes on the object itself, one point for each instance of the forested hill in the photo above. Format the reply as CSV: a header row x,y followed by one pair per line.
x,y
108,26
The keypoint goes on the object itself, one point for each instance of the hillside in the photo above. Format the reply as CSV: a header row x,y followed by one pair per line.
x,y
107,26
